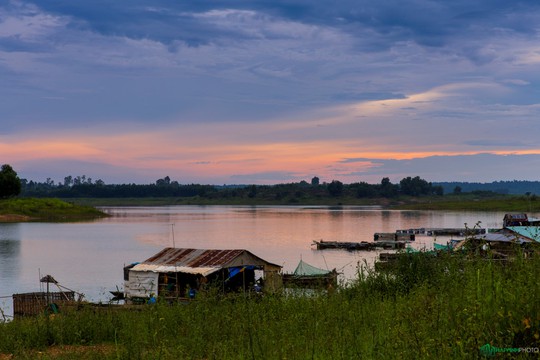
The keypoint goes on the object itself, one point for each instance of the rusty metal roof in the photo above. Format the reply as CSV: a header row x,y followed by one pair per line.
x,y
193,257
199,261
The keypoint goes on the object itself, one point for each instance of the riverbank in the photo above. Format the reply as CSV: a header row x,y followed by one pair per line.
x,y
76,209
196,200
435,307
30,209
465,202
503,203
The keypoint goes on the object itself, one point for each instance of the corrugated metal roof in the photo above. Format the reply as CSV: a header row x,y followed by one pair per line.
x,y
193,257
198,261
531,232
503,236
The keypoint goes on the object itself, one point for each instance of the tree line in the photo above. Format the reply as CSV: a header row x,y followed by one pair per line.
x,y
513,187
83,186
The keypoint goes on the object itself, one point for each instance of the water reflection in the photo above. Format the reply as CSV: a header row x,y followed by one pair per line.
x,y
89,257
10,251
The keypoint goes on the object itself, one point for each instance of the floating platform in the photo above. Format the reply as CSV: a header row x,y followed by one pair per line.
x,y
360,246
454,232
397,236
438,232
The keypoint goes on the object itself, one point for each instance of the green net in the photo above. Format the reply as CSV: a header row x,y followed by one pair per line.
x,y
304,269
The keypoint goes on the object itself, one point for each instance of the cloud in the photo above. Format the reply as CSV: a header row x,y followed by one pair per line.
x,y
480,167
284,89
26,23
516,82
271,177
496,143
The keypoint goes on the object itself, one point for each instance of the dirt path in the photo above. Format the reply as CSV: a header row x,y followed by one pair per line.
x,y
14,218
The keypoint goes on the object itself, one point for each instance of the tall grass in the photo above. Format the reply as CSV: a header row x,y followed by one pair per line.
x,y
428,307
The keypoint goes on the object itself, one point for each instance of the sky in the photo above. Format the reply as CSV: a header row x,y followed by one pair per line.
x,y
267,92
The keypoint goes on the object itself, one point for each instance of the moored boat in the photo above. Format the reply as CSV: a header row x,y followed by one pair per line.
x,y
309,276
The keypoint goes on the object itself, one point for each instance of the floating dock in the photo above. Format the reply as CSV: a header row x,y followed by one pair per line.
x,y
454,232
395,236
441,231
359,246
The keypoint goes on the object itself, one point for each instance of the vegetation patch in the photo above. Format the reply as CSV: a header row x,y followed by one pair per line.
x,y
29,209
474,202
445,307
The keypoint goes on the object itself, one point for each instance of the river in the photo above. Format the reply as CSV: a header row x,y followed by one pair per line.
x,y
88,257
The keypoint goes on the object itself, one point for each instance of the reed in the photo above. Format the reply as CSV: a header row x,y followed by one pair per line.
x,y
443,307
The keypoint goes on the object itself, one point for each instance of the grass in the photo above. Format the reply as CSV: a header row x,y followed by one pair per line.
x,y
163,201
466,201
506,203
431,307
28,209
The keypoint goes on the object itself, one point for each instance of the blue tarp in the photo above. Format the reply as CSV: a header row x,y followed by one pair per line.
x,y
233,271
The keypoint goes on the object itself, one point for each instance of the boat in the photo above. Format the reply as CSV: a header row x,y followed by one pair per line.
x,y
441,247
117,294
309,276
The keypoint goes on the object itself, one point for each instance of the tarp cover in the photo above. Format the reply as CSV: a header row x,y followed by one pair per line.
x,y
531,232
237,270
304,269
142,284
204,271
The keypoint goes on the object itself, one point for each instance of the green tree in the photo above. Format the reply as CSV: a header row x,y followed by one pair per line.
x,y
163,182
364,190
252,191
335,188
388,189
68,180
415,186
315,181
437,190
10,184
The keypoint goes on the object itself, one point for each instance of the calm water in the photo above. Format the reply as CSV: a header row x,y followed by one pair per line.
x,y
88,257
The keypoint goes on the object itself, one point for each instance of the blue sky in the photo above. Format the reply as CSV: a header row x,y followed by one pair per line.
x,y
270,91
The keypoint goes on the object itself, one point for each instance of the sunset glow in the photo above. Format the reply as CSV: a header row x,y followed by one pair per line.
x,y
224,95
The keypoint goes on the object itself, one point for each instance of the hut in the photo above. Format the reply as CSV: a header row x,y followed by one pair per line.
x,y
517,220
178,273
529,228
501,244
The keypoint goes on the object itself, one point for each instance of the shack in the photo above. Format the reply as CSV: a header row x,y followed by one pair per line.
x,y
501,244
517,220
179,273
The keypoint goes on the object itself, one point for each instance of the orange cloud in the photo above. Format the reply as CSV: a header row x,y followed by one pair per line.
x,y
315,144
47,149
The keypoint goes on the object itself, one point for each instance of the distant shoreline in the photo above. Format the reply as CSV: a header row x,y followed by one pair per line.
x,y
506,203
80,209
